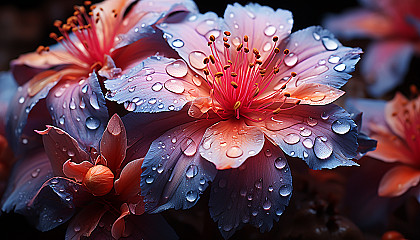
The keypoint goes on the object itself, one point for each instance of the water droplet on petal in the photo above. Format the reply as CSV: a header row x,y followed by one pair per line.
x,y
279,212
61,120
258,184
311,121
340,67
93,100
234,152
333,59
132,89
285,190
305,154
316,36
84,88
191,196
191,171
305,132
266,205
177,69
341,126
72,104
77,228
322,148
329,43
291,138
21,100
307,142
267,47
130,106
178,43
325,116
171,107
70,153
280,163
157,86
270,30
149,179
188,147
196,59
35,173
92,123
152,101
175,86
250,14
270,188
290,60
268,153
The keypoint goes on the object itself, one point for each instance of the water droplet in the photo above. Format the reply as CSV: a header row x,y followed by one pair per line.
x,y
250,14
252,152
177,69
191,171
152,101
316,36
322,62
311,121
333,59
266,205
93,100
160,168
178,43
60,91
222,183
234,152
171,107
290,60
236,41
329,44
173,140
268,153
285,190
341,126
77,228
305,132
131,89
270,30
188,147
149,179
70,153
322,148
175,86
191,196
202,181
270,188
267,47
279,212
157,86
305,154
258,184
340,67
129,106
85,88
21,100
92,123
25,141
196,59
254,213
280,163
35,173
72,104
249,197
307,142
54,181
61,120
82,104
149,78
325,116
291,138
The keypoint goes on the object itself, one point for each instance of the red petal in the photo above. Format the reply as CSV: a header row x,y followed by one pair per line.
x,y
114,143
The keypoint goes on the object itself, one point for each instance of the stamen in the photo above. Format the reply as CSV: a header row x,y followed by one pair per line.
x,y
234,84
237,105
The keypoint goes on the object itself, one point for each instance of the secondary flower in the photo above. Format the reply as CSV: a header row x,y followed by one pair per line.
x,y
396,126
395,28
97,40
256,92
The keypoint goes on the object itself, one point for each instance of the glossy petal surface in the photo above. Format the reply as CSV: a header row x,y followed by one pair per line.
x,y
114,143
85,221
398,180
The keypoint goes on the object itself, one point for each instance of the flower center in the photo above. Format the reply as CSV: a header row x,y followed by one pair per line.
x,y
87,35
99,180
240,82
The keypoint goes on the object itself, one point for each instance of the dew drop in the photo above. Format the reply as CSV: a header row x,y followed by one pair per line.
x,y
25,141
250,14
316,36
270,30
177,69
132,89
35,173
285,190
266,205
191,171
258,184
322,148
171,107
59,92
92,123
325,116
305,154
234,152
152,101
157,87
267,47
173,140
305,132
84,88
341,126
270,188
129,106
188,147
311,121
178,43
149,179
160,168
340,67
61,120
290,60
70,153
77,228
307,142
236,41
291,138
21,100
149,78
279,212
196,59
329,44
280,163
191,196
72,104
333,59
268,153
196,80
175,86
93,100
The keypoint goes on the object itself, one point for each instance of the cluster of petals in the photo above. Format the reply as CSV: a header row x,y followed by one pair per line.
x,y
395,124
394,27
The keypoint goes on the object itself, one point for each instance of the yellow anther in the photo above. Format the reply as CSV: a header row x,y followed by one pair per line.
x,y
234,84
237,105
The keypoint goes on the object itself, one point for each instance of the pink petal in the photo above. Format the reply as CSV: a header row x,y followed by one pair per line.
x,y
400,113
114,143
174,173
85,221
61,147
323,136
76,171
118,228
128,185
398,180
257,192
316,94
229,143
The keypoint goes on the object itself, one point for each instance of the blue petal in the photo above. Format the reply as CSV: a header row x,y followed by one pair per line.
x,y
174,172
79,108
7,91
255,193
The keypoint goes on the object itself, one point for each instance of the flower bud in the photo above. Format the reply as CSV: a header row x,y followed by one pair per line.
x,y
99,180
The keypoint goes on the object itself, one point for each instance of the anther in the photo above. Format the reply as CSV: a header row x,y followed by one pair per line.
x,y
206,71
225,39
286,94
239,47
251,65
209,44
206,60
259,62
53,36
276,70
227,33
286,51
293,74
230,62
275,39
246,50
234,84
226,67
245,38
257,90
87,3
212,59
57,23
233,74
40,49
277,111
227,45
276,50
237,105
212,38
262,71
255,51
218,74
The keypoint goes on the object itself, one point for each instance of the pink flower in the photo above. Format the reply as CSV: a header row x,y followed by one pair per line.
x,y
395,124
395,28
254,92
93,44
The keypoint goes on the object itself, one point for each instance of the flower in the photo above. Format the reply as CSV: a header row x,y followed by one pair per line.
x,y
95,43
395,28
104,185
254,92
395,124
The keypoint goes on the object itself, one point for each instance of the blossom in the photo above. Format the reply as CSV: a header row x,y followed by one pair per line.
x,y
94,44
395,28
255,92
395,124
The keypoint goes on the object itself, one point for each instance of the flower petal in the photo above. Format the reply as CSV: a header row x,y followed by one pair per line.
x,y
323,136
76,171
317,57
128,184
155,85
398,180
227,144
9,87
360,23
79,107
257,192
385,65
85,221
174,173
61,147
316,94
118,227
114,143
399,111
